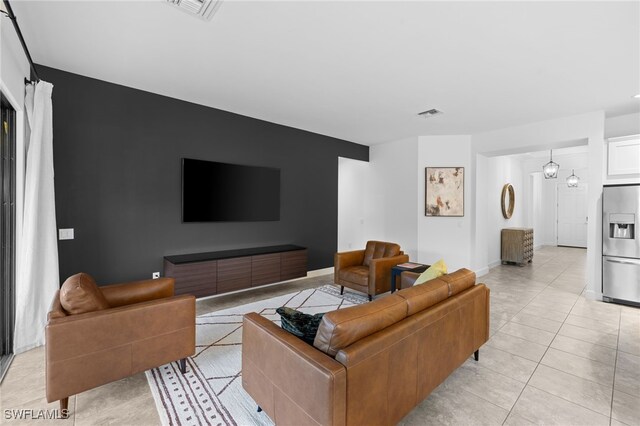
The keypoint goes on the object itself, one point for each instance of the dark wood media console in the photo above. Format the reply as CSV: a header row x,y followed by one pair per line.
x,y
206,274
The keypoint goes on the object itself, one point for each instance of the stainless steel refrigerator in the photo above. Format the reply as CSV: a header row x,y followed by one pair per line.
x,y
621,244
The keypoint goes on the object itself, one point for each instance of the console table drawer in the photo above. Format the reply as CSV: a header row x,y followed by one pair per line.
x,y
265,269
234,274
294,265
198,279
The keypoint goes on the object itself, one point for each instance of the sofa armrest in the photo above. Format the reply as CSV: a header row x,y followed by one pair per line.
x,y
137,291
345,259
55,309
88,350
380,272
291,380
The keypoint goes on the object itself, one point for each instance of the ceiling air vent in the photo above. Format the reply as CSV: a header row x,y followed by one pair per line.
x,y
430,113
204,9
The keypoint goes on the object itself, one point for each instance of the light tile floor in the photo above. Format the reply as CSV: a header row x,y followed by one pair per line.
x,y
554,357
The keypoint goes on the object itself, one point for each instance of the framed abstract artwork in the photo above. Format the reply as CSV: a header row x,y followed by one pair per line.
x,y
444,191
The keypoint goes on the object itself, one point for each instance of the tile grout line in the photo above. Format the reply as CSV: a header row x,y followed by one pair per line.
x,y
615,370
547,349
521,309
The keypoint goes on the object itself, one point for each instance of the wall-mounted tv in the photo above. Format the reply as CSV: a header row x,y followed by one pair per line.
x,y
221,192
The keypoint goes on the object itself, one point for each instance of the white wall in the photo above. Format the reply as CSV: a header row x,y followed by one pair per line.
x,y
533,205
447,238
392,200
395,201
622,125
353,179
397,190
558,133
500,171
14,66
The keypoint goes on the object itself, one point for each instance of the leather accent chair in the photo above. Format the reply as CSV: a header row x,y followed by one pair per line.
x,y
144,326
368,270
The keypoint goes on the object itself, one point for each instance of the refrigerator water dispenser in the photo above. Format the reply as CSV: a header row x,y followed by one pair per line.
x,y
622,226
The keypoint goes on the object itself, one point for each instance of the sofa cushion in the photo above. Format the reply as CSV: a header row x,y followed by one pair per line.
x,y
355,274
299,324
422,296
339,329
80,294
379,249
460,280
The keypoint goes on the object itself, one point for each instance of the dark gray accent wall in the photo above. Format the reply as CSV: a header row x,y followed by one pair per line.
x,y
117,153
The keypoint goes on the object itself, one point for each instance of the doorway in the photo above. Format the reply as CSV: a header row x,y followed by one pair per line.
x,y
7,231
572,216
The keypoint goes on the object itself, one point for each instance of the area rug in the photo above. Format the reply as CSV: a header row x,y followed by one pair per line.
x,y
211,392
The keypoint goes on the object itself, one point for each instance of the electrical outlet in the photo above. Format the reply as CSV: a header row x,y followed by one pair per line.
x,y
65,234
155,275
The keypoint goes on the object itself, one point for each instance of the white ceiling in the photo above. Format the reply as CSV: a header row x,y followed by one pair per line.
x,y
359,71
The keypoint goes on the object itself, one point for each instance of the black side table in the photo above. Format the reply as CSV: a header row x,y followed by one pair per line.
x,y
397,270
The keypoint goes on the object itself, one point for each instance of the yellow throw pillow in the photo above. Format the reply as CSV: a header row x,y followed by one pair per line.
x,y
436,270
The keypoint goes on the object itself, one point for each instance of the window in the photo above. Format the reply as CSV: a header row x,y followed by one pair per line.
x,y
7,231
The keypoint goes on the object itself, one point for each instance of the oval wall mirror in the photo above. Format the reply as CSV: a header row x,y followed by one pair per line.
x,y
509,203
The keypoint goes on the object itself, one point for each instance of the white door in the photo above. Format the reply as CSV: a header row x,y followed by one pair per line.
x,y
572,216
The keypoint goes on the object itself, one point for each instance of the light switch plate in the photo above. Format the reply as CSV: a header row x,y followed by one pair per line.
x,y
65,234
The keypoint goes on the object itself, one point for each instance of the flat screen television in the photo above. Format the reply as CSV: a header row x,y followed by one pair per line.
x,y
221,192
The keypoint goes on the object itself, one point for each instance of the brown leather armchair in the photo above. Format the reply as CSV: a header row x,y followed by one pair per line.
x,y
368,270
142,326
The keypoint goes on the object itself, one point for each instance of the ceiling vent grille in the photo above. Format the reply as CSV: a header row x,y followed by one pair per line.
x,y
204,9
430,113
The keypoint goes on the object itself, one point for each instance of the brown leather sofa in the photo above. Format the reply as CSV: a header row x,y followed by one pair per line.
x,y
370,364
368,270
140,325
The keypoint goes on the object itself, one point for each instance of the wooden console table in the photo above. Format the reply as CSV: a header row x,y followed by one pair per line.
x,y
206,274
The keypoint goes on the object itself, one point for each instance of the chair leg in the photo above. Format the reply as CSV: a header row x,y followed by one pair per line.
x,y
183,365
341,289
64,408
259,408
476,354
370,298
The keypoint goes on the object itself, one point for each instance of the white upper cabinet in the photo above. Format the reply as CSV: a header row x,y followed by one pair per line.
x,y
624,156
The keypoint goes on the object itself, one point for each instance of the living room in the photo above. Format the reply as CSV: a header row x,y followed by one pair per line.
x,y
330,97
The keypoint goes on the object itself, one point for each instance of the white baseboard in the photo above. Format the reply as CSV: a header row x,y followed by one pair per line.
x,y
482,271
593,295
319,272
495,263
17,351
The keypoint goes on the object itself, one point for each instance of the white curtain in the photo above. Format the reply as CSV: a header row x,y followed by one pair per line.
x,y
37,277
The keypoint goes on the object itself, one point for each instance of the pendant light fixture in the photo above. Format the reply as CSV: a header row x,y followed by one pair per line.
x,y
573,180
551,169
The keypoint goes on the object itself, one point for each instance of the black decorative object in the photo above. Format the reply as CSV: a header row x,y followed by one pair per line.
x,y
299,324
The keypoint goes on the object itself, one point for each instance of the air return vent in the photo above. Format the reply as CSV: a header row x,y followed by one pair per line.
x,y
204,9
430,113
